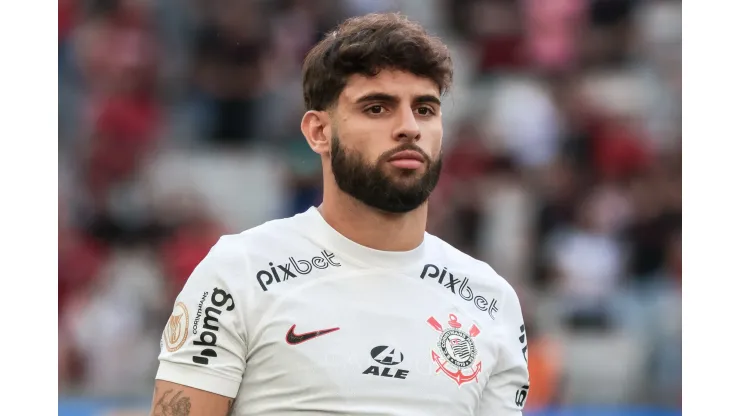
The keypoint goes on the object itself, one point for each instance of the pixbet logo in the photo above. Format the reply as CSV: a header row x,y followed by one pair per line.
x,y
465,292
283,272
208,337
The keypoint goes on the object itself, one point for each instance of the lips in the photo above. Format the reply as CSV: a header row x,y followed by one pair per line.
x,y
407,155
407,160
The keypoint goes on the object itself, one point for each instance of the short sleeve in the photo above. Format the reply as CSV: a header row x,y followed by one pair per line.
x,y
204,342
506,391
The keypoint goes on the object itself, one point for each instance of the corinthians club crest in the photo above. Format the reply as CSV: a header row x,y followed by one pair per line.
x,y
455,353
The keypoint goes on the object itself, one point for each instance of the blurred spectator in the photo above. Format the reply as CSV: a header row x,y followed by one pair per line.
x,y
470,157
231,65
557,206
653,225
117,49
458,198
506,229
122,137
494,29
118,303
618,151
80,260
68,13
524,121
553,32
609,35
588,262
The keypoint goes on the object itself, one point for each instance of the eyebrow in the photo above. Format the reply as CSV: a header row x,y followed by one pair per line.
x,y
387,98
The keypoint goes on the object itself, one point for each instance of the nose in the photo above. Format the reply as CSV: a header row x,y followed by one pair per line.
x,y
408,128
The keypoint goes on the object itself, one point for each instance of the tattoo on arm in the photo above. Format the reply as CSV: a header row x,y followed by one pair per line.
x,y
230,412
172,405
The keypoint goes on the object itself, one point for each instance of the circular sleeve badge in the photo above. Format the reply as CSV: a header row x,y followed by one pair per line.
x,y
176,332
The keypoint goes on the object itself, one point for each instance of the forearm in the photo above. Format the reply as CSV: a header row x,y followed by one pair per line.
x,y
171,399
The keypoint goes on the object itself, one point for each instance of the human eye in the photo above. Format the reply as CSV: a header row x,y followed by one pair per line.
x,y
375,109
425,111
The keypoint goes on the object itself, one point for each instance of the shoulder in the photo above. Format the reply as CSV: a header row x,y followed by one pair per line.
x,y
477,270
266,237
273,252
235,254
474,281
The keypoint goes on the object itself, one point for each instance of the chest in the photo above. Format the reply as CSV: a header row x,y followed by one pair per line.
x,y
370,343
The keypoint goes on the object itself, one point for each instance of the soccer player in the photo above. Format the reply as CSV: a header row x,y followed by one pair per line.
x,y
352,308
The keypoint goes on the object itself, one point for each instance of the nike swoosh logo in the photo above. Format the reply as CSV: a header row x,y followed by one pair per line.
x,y
294,339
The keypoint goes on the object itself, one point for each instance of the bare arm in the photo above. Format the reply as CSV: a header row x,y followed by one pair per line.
x,y
171,399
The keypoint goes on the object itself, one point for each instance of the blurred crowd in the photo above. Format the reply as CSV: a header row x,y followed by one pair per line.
x,y
179,122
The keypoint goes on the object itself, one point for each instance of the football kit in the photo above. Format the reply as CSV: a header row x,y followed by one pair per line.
x,y
291,317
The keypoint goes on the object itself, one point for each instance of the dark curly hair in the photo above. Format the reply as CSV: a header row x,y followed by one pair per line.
x,y
366,45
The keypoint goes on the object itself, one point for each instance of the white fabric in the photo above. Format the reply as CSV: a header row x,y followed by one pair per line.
x,y
385,304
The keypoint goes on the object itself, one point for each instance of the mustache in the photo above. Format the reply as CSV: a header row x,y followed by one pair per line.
x,y
405,146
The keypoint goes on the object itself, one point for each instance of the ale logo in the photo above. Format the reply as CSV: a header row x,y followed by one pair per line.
x,y
387,357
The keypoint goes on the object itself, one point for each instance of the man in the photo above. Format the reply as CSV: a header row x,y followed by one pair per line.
x,y
351,308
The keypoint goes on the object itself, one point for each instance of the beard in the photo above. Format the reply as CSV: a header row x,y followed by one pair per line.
x,y
370,185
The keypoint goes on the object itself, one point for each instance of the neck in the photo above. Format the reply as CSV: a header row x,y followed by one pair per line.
x,y
370,227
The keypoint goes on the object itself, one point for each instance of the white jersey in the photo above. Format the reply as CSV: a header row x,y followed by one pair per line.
x,y
291,318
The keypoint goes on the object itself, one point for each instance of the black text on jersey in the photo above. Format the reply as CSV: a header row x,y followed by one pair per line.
x,y
267,277
197,315
209,337
460,287
387,357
